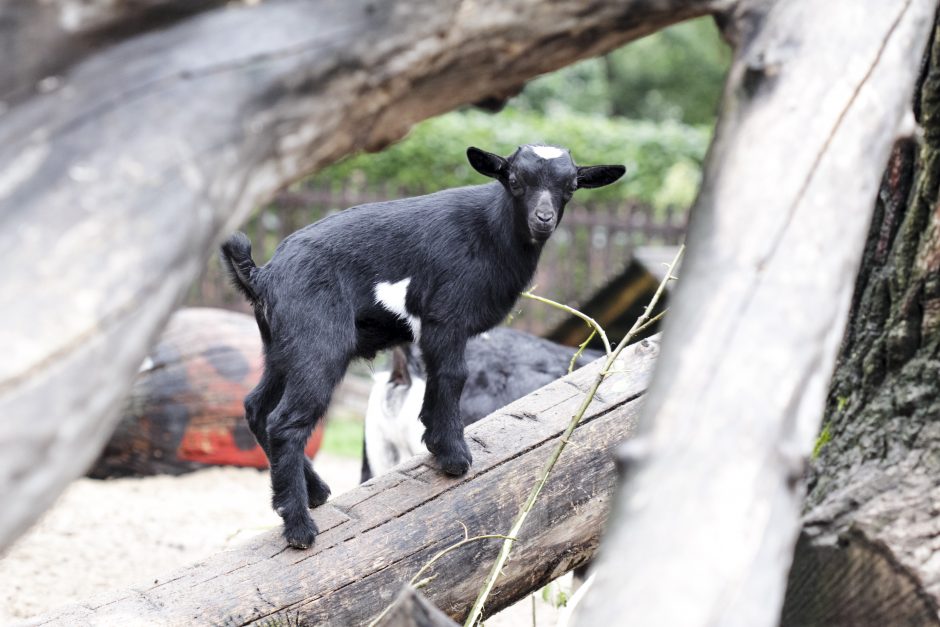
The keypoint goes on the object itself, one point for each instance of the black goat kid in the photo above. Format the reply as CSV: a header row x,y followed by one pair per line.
x,y
435,270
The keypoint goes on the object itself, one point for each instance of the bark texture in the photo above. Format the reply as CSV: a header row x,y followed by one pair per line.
x,y
119,173
375,538
869,553
816,96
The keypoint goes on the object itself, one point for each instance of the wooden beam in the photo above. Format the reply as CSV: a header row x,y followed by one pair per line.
x,y
411,609
816,95
375,538
120,175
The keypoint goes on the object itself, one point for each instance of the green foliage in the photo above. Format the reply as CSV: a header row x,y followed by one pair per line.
x,y
556,594
343,436
648,106
674,74
663,160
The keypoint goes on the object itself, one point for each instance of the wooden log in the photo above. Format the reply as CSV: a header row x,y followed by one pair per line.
x,y
185,410
120,176
816,95
411,609
375,538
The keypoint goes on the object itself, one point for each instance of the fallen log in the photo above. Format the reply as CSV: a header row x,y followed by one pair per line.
x,y
185,410
375,538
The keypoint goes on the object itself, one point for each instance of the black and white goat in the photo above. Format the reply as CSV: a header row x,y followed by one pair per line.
x,y
435,269
502,365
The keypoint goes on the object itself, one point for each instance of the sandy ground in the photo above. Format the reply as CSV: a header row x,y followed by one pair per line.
x,y
102,535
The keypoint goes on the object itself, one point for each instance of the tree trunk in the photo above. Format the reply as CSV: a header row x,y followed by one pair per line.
x,y
869,553
120,173
816,96
375,538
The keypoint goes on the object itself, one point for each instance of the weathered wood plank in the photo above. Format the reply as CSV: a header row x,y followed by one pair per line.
x,y
117,179
375,538
411,609
816,95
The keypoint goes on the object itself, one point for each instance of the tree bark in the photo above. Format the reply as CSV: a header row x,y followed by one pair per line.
x,y
118,176
816,96
375,538
868,552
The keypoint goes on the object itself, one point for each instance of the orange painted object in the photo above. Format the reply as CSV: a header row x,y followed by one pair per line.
x,y
217,447
185,410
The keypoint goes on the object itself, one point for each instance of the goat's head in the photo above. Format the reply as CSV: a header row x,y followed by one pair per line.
x,y
541,180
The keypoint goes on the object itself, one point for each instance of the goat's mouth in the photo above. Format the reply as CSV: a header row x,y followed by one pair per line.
x,y
541,232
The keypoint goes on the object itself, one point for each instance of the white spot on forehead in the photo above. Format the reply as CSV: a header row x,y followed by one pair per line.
x,y
547,152
392,297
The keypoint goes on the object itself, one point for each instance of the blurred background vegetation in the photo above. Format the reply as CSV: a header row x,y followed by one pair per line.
x,y
650,106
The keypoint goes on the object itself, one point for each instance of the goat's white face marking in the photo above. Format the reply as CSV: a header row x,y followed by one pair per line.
x,y
392,297
547,152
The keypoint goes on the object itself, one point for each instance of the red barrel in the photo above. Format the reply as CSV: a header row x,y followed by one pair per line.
x,y
185,409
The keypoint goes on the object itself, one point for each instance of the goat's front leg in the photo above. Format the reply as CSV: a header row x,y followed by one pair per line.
x,y
447,372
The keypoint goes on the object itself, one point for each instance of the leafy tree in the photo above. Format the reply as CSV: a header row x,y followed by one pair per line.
x,y
675,74
663,159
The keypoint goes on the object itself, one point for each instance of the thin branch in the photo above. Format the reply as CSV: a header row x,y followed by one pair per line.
x,y
420,584
580,351
574,312
477,610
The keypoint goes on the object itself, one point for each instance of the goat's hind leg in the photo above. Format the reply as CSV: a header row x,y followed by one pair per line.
x,y
260,402
305,400
318,492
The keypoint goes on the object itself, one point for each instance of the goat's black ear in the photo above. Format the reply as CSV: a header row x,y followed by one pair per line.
x,y
486,163
399,374
599,175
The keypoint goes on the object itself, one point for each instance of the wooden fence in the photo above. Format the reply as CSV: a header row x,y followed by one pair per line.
x,y
593,243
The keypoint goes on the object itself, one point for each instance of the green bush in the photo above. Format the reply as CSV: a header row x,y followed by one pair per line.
x,y
663,159
674,74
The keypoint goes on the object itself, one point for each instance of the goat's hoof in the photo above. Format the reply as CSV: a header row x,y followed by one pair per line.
x,y
455,464
318,493
300,535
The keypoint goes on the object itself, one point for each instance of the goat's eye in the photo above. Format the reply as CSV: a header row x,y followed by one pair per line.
x,y
514,185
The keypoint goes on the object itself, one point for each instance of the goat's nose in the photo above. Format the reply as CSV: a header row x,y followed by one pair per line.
x,y
544,216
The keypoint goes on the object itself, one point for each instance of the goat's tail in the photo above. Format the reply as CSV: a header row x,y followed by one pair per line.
x,y
236,258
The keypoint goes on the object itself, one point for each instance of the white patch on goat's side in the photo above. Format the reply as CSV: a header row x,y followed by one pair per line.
x,y
392,297
547,152
393,429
